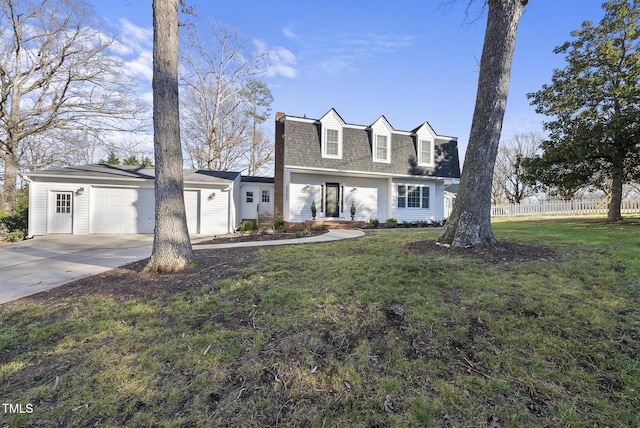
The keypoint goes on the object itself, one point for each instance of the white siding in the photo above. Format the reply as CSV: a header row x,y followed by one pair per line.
x,y
40,207
249,210
331,120
369,196
192,210
215,209
435,212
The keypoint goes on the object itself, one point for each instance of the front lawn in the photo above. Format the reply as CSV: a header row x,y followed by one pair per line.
x,y
384,330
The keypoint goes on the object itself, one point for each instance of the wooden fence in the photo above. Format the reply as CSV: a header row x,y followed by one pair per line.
x,y
574,207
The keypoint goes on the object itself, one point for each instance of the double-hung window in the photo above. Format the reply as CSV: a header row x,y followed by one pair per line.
x,y
382,148
413,196
425,154
249,197
332,143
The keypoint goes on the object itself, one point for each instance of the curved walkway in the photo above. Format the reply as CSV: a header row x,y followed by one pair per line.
x,y
46,262
331,235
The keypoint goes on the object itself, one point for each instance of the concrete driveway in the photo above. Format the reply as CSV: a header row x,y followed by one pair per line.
x,y
45,262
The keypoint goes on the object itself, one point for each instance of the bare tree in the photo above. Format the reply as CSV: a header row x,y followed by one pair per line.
x,y
60,85
258,99
217,128
470,220
509,183
172,249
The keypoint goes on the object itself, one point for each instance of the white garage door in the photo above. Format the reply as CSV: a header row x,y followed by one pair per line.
x,y
123,210
120,210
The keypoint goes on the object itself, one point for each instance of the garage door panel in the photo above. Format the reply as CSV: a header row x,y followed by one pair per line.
x,y
120,210
127,210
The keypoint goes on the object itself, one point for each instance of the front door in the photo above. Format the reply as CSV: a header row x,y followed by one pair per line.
x,y
61,212
332,208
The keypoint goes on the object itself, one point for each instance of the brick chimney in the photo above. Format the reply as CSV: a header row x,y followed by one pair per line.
x,y
278,197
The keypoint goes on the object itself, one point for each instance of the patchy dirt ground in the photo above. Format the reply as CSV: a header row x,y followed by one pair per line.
x,y
256,236
505,252
127,283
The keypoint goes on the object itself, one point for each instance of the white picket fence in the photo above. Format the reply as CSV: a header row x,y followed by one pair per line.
x,y
574,207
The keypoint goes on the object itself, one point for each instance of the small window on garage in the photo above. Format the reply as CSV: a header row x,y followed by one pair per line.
x,y
249,197
63,203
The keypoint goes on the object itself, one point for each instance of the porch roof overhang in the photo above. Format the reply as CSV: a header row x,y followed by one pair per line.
x,y
364,174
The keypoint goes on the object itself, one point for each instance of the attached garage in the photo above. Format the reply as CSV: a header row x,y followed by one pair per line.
x,y
121,199
122,210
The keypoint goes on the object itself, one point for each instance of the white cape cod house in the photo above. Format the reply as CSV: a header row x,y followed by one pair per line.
x,y
383,172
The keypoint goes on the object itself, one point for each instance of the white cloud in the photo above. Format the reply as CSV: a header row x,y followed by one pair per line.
x,y
337,64
282,61
289,33
135,46
348,50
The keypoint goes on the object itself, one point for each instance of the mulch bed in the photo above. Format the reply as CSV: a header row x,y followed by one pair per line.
x,y
504,252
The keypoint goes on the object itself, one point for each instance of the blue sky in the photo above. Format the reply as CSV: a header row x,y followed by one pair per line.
x,y
411,61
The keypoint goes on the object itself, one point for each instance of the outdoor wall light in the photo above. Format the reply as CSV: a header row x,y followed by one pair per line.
x,y
353,190
211,196
306,187
80,191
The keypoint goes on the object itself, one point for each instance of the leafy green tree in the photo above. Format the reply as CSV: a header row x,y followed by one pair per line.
x,y
258,98
112,159
131,161
594,106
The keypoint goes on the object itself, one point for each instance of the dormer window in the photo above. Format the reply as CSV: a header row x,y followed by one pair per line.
x,y
381,132
382,152
332,144
425,152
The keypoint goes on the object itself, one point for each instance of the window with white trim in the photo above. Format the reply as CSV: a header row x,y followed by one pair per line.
x,y
381,149
425,152
63,203
249,197
265,196
413,196
332,143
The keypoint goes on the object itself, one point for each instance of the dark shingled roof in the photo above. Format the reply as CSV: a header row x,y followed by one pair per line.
x,y
256,179
303,149
124,172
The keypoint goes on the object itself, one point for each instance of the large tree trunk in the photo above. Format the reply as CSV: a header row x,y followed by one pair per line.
x,y
470,220
171,245
617,171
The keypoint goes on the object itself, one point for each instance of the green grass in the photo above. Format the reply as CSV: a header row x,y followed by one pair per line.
x,y
319,334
